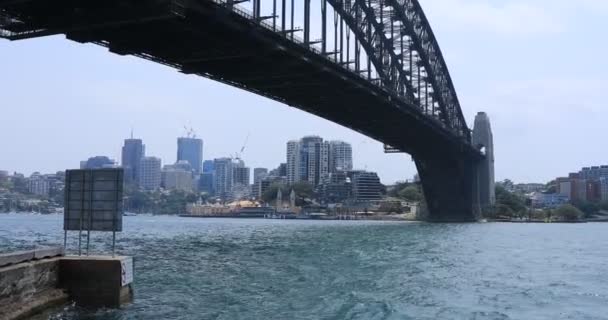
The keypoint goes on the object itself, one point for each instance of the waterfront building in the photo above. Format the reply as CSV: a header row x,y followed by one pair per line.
x,y
564,186
38,185
175,177
594,173
99,162
241,175
340,156
259,174
205,183
280,171
548,200
210,210
263,185
604,188
223,176
182,165
3,176
191,149
208,166
240,192
132,152
578,187
307,160
529,187
150,173
365,185
292,161
593,190
336,187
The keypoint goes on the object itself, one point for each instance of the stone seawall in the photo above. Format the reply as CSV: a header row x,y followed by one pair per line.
x,y
30,287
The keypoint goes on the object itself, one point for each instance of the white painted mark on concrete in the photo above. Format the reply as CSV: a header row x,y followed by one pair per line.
x,y
127,271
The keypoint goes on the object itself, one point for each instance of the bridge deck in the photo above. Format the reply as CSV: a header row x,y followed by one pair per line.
x,y
203,38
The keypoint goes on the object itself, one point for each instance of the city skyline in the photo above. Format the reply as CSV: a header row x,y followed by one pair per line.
x,y
497,65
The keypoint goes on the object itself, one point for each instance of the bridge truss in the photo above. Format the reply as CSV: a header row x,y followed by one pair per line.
x,y
370,65
388,42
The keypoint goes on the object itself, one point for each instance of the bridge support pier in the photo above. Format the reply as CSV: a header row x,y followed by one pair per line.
x,y
450,188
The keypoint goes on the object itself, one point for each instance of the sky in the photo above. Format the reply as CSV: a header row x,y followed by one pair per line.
x,y
537,67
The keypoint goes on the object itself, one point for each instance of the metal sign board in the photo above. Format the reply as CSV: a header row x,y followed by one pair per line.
x,y
93,200
126,265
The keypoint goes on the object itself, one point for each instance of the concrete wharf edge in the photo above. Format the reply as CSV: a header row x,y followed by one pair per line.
x,y
30,285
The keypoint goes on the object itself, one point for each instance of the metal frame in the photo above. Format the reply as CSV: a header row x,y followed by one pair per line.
x,y
402,54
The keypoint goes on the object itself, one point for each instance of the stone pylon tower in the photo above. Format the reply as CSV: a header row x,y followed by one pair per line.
x,y
482,137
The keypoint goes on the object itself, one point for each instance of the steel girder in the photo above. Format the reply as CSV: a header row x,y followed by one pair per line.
x,y
385,60
401,45
398,42
418,28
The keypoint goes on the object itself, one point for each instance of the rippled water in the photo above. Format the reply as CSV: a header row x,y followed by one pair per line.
x,y
283,269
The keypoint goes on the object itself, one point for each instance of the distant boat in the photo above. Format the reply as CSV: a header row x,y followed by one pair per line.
x,y
129,214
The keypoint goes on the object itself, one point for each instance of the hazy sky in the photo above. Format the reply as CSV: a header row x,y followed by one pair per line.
x,y
536,66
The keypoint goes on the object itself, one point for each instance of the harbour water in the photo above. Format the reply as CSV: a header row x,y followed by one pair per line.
x,y
288,269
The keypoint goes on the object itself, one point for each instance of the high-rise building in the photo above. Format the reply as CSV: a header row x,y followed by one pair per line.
x,y
260,188
223,176
336,187
593,190
293,148
309,165
259,174
205,183
282,170
308,160
594,173
604,188
132,152
149,173
175,177
482,137
365,186
208,166
38,185
3,176
241,176
98,162
191,150
564,187
340,156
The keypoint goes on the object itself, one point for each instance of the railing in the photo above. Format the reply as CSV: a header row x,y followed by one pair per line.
x,y
294,38
299,41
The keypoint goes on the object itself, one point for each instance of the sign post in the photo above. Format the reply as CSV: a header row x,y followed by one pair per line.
x,y
93,202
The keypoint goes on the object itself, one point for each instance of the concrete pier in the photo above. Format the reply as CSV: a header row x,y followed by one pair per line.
x,y
33,281
97,281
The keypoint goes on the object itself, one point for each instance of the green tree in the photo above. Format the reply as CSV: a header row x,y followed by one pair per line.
x,y
303,190
587,207
394,192
411,193
515,202
271,193
504,211
569,213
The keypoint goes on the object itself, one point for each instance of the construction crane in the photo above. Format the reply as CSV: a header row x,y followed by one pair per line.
x,y
190,133
238,155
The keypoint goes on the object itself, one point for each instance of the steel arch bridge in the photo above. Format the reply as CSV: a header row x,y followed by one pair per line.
x,y
371,65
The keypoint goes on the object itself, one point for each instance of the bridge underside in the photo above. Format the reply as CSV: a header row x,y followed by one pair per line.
x,y
204,39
